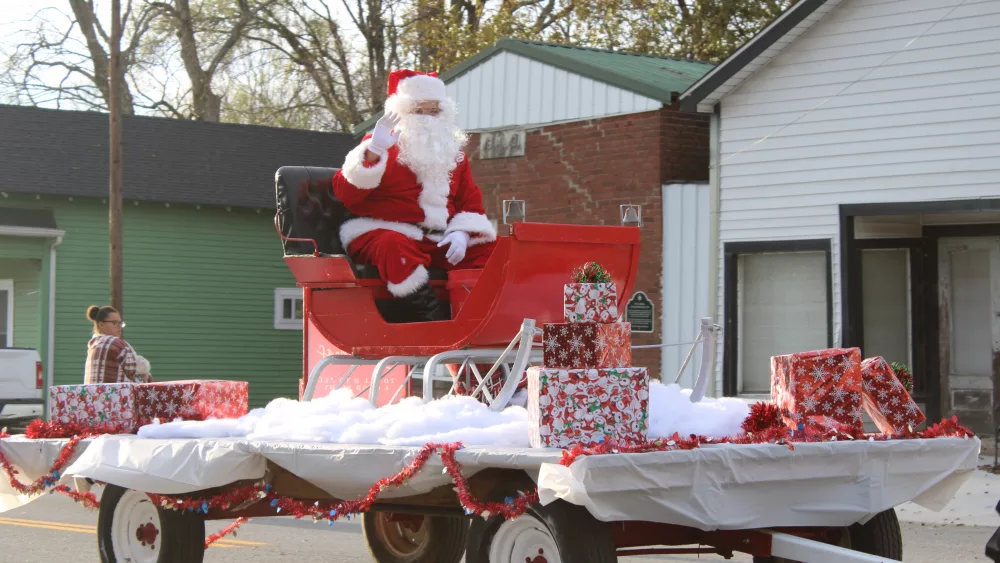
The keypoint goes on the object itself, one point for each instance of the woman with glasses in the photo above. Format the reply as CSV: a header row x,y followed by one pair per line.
x,y
110,359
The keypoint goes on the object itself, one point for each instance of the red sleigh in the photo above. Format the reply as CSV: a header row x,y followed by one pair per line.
x,y
348,341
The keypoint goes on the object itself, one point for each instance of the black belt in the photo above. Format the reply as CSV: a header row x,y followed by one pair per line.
x,y
431,232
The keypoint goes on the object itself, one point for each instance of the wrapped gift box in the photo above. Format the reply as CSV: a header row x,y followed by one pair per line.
x,y
108,405
567,407
892,409
587,345
822,383
191,400
590,302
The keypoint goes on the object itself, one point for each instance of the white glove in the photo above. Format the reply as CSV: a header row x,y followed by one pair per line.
x,y
459,241
383,137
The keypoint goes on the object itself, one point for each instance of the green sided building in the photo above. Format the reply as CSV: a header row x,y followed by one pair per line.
x,y
206,292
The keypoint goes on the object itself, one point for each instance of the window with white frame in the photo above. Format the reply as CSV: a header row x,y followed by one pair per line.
x,y
288,308
777,302
6,313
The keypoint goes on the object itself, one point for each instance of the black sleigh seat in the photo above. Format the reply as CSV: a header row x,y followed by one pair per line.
x,y
308,209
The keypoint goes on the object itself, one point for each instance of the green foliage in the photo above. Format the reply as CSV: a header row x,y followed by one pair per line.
x,y
444,33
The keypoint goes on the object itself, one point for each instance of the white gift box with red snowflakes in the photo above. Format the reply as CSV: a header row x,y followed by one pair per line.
x,y
567,407
105,405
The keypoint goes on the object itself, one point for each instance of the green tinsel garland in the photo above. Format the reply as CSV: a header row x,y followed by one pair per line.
x,y
903,375
591,272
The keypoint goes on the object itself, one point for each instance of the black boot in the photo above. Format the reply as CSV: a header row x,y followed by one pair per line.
x,y
423,305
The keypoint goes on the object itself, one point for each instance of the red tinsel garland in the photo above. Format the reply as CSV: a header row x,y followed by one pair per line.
x,y
762,416
231,529
768,429
39,429
48,480
87,499
345,509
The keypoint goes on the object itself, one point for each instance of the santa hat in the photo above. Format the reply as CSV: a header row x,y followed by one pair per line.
x,y
416,86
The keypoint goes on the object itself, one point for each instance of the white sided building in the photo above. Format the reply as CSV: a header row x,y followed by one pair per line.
x,y
855,183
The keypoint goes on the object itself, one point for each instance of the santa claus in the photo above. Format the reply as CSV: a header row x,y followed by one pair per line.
x,y
411,188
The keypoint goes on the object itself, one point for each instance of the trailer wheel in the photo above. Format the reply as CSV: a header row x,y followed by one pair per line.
x,y
880,536
404,538
131,528
559,532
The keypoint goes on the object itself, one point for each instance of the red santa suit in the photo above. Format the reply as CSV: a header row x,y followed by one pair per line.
x,y
402,214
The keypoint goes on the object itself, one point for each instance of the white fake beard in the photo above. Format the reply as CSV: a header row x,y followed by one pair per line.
x,y
429,145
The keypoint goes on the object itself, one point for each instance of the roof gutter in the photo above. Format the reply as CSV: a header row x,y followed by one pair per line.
x,y
743,56
38,232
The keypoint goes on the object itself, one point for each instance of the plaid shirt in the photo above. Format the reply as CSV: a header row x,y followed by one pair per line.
x,y
110,360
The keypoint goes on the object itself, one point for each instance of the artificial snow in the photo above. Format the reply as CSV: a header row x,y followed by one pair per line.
x,y
671,410
342,419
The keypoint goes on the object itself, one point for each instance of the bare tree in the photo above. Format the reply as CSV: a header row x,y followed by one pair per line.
x,y
207,32
349,81
265,88
66,60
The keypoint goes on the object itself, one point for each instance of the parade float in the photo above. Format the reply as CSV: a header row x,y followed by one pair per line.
x,y
519,430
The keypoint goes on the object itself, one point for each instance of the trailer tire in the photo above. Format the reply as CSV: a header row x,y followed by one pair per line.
x,y
176,536
574,534
443,539
881,536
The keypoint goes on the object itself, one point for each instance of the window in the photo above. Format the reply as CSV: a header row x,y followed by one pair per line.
x,y
6,313
885,295
777,302
288,308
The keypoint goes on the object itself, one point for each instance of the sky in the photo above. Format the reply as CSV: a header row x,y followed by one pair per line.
x,y
17,17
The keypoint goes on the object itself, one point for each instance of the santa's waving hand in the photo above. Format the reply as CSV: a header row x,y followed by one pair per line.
x,y
411,188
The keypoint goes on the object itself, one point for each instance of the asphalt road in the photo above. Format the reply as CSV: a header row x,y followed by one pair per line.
x,y
54,528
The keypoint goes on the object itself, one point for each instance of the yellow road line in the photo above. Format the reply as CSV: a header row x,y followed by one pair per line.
x,y
47,527
239,542
61,524
83,528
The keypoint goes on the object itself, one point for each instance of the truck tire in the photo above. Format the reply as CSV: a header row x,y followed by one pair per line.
x,y
558,532
131,528
403,538
880,536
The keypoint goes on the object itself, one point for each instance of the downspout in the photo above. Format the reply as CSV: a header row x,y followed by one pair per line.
x,y
714,180
50,360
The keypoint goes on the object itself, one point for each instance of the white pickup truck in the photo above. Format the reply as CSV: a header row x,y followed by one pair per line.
x,y
21,378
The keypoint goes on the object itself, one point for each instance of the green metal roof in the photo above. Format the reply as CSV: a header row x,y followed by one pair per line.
x,y
655,77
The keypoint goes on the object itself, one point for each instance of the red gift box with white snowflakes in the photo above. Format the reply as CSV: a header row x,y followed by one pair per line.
x,y
567,407
821,383
892,409
191,400
587,345
590,303
105,405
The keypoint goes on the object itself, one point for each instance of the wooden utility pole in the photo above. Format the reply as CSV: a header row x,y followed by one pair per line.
x,y
115,199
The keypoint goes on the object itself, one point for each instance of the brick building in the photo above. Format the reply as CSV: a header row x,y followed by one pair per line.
x,y
577,132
